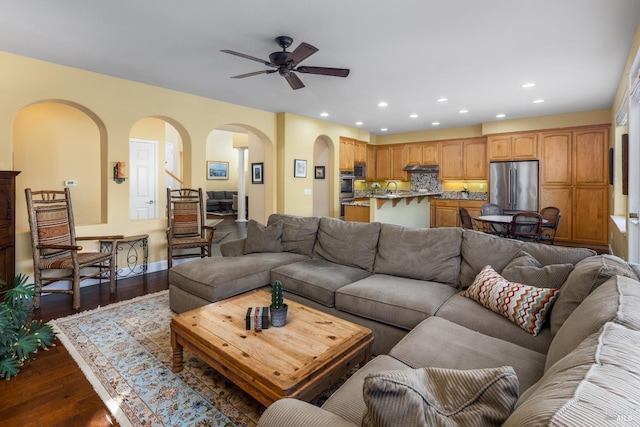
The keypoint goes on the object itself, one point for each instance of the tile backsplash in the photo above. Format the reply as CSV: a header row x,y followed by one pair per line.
x,y
426,181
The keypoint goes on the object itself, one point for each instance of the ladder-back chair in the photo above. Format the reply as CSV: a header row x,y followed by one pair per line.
x,y
549,228
526,226
187,225
56,255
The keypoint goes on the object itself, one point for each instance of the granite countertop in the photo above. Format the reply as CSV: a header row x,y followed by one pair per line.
x,y
404,194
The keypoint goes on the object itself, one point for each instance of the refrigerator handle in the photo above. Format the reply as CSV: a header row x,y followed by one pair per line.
x,y
514,188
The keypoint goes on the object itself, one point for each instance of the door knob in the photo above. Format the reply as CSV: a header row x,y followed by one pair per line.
x,y
150,202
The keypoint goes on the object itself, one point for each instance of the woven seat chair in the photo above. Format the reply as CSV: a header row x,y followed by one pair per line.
x,y
526,226
552,215
465,219
493,209
56,255
187,228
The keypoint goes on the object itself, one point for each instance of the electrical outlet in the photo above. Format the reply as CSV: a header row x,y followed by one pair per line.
x,y
482,186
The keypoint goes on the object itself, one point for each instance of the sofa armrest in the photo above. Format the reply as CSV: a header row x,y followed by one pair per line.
x,y
296,413
233,247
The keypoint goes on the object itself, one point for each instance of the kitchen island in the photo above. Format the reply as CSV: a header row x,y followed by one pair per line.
x,y
407,208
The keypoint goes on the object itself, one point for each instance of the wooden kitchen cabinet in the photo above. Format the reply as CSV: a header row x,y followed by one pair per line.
x,y
451,160
346,154
590,214
555,162
475,159
360,151
414,153
398,160
371,162
590,157
447,213
512,147
430,153
383,157
561,198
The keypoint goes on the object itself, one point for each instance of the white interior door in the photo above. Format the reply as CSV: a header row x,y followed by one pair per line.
x,y
143,178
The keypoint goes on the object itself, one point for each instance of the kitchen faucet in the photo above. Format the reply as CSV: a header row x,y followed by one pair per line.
x,y
386,189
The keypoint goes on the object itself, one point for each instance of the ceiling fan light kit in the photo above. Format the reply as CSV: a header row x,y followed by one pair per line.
x,y
286,63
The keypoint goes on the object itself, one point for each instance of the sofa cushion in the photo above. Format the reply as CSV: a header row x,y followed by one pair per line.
x,y
436,342
586,276
217,278
348,243
348,401
468,313
263,239
615,300
298,233
595,385
436,396
524,305
393,300
424,254
524,268
481,249
549,254
317,278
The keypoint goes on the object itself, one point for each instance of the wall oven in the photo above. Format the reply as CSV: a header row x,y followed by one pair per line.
x,y
346,185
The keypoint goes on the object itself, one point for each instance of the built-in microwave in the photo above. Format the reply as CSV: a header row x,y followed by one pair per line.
x,y
346,185
360,170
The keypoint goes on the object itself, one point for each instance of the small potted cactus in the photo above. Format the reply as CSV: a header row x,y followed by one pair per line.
x,y
278,308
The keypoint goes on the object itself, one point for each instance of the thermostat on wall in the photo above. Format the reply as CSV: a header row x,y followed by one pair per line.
x,y
70,182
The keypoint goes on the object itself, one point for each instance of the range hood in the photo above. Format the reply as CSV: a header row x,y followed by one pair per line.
x,y
421,168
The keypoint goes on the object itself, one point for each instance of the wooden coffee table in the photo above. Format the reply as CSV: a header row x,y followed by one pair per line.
x,y
299,360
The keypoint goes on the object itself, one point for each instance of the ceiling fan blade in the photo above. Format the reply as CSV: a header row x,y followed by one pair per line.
x,y
302,52
294,81
336,72
242,55
255,73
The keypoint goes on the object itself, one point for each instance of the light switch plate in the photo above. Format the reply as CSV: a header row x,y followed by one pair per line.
x,y
307,191
70,183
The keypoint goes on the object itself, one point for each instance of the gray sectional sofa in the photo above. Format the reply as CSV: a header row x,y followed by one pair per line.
x,y
444,354
215,197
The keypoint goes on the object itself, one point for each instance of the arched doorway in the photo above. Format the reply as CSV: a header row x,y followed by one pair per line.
x,y
321,171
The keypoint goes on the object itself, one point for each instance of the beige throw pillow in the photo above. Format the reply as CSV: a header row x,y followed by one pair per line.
x,y
263,239
524,268
440,397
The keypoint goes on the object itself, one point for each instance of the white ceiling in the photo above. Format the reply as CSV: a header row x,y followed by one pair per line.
x,y
476,53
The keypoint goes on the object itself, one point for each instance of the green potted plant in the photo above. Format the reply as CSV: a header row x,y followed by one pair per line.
x,y
20,335
278,308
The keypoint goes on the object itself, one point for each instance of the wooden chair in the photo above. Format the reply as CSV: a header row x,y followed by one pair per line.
x,y
493,209
465,219
552,215
526,226
56,255
187,225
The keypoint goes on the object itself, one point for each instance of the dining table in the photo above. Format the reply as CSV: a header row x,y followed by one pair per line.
x,y
499,224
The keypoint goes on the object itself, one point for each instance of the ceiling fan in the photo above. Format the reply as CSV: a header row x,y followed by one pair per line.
x,y
286,63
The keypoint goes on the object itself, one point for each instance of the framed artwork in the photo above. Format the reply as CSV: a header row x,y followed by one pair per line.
x,y
256,173
319,172
217,170
299,168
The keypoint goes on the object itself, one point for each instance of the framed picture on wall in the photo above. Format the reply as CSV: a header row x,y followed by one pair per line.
x,y
319,172
299,168
257,173
217,170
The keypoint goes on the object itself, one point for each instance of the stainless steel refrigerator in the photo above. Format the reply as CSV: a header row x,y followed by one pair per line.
x,y
514,185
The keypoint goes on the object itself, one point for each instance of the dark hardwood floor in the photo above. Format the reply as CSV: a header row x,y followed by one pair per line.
x,y
51,390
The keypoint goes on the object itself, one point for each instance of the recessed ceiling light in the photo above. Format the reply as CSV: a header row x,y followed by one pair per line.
x,y
435,123
442,99
463,111
384,129
501,115
528,85
382,104
324,114
538,101
413,116
359,123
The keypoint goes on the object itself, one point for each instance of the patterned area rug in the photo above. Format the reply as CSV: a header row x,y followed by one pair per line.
x,y
124,349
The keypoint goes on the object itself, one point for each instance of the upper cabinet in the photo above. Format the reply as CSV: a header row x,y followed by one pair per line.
x,y
390,162
463,159
423,153
590,149
371,162
346,153
556,162
513,147
360,151
383,168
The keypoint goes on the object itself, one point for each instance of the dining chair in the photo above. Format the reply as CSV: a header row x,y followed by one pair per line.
x,y
493,209
465,219
552,215
187,227
526,226
57,257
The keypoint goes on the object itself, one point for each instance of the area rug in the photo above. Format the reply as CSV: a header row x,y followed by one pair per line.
x,y
124,350
218,236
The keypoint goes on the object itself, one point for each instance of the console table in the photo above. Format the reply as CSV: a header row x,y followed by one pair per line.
x,y
135,248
